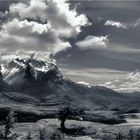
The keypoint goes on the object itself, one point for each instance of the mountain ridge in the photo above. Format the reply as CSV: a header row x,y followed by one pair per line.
x,y
42,82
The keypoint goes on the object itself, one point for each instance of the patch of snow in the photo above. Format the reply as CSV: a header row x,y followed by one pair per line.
x,y
21,64
3,69
12,72
84,83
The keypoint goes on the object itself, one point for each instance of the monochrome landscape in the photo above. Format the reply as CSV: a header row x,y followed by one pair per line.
x,y
69,70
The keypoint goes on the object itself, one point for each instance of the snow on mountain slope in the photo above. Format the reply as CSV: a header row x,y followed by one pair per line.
x,y
39,70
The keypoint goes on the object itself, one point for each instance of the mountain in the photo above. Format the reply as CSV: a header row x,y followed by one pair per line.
x,y
37,90
39,82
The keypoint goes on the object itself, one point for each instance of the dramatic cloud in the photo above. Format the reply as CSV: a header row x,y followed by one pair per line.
x,y
65,22
54,26
92,42
25,26
115,24
18,34
130,82
30,35
9,56
41,25
118,24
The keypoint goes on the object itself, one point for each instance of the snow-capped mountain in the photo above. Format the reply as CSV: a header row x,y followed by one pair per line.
x,y
42,82
34,69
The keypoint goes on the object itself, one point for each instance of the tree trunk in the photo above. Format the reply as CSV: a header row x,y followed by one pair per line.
x,y
63,125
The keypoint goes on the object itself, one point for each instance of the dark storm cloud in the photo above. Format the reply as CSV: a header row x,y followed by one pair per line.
x,y
123,50
80,59
98,12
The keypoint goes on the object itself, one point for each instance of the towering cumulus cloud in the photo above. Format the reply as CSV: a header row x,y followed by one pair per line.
x,y
41,25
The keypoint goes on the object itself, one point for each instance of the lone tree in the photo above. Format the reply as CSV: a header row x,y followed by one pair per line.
x,y
68,112
10,120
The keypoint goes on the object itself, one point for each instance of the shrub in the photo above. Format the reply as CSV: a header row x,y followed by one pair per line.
x,y
42,133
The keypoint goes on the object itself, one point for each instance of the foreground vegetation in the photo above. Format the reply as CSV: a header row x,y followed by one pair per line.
x,y
67,128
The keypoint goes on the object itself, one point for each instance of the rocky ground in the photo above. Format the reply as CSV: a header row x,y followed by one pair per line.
x,y
50,130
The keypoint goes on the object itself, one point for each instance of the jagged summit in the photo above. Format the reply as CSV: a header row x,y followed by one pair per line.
x,y
32,69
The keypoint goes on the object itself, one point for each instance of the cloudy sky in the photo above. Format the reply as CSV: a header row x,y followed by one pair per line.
x,y
93,41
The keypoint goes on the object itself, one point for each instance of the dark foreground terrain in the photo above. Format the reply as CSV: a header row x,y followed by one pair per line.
x,y
36,91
